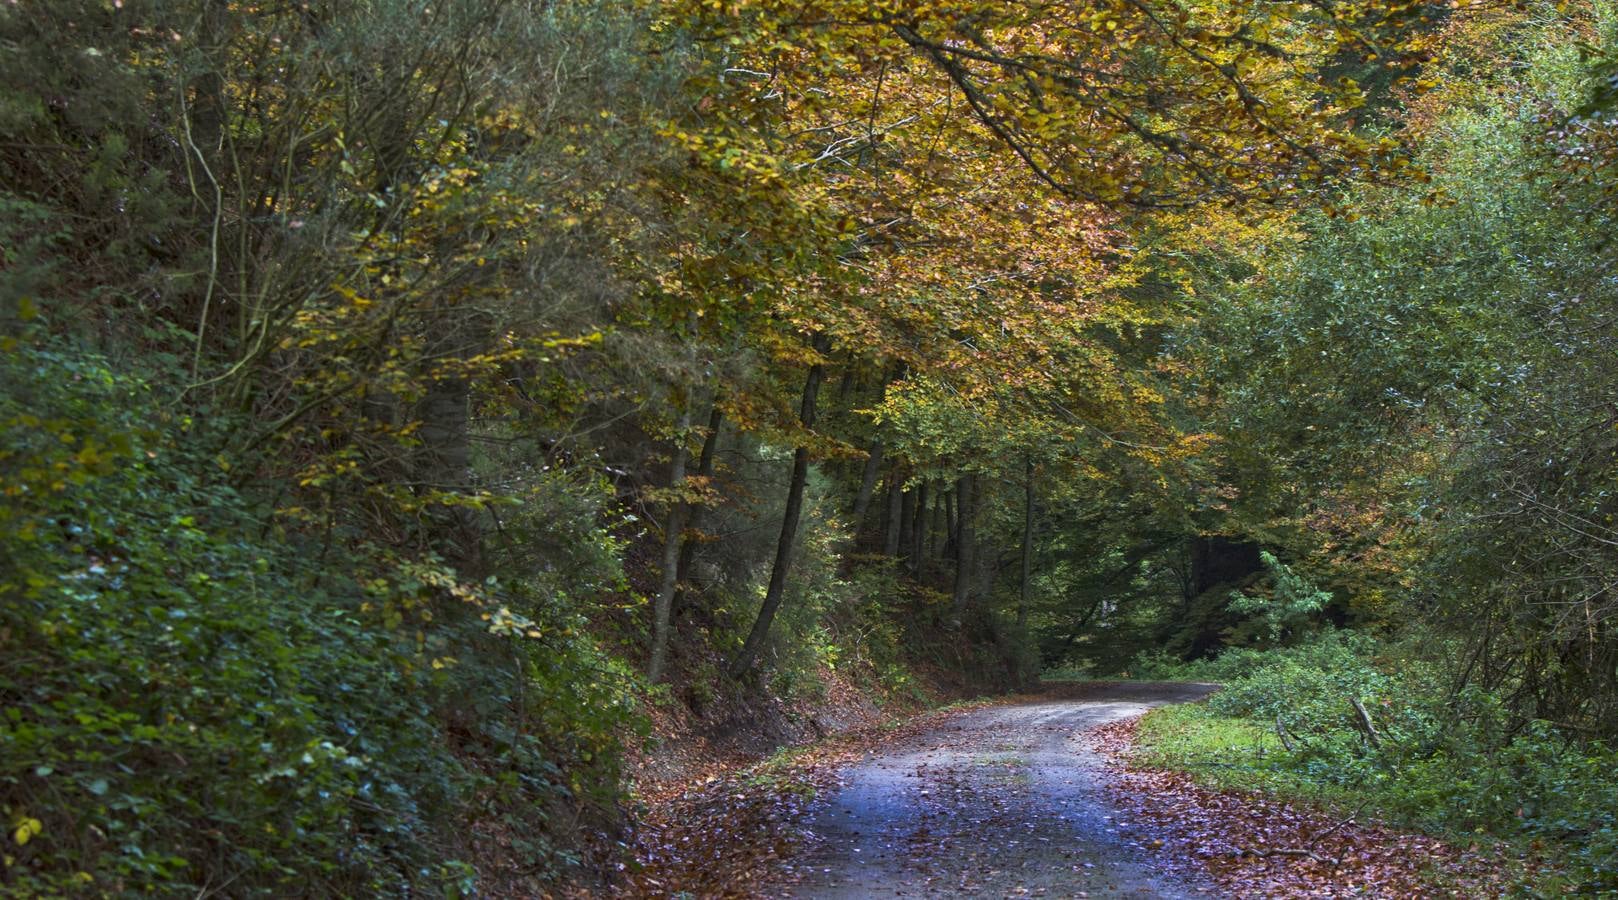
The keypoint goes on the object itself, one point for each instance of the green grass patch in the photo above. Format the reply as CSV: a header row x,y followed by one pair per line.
x,y
1066,674
1230,753
1534,794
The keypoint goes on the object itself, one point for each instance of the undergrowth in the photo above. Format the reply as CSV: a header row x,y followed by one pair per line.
x,y
1453,763
196,695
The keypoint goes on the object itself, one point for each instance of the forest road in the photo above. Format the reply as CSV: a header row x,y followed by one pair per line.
x,y
1007,801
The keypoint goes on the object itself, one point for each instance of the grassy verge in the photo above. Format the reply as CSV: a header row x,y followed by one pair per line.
x,y
1232,753
1438,794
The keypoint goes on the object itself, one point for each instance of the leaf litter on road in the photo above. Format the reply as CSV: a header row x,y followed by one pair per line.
x,y
728,833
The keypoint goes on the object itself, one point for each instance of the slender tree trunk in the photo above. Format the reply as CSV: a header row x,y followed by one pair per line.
x,y
789,527
207,109
693,519
444,461
938,528
886,521
673,525
965,503
916,545
847,385
893,530
907,527
930,526
952,523
873,468
1027,544
873,459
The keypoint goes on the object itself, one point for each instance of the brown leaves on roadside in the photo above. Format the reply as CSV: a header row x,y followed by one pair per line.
x,y
1254,846
719,838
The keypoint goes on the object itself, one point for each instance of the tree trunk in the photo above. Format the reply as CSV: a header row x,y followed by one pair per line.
x,y
916,539
893,532
673,525
965,503
938,526
789,527
908,526
207,112
444,461
929,525
1027,544
915,545
873,460
693,520
847,385
862,502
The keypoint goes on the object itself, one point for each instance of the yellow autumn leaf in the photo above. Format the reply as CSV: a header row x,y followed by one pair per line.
x,y
27,829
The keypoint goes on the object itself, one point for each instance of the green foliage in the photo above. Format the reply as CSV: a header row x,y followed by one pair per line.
x,y
1326,650
195,695
1450,764
1229,753
1414,393
875,637
1291,603
1410,393
839,619
181,702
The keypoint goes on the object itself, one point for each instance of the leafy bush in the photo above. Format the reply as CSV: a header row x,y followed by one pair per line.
x,y
195,696
1324,651
1157,664
1284,610
1296,689
1458,764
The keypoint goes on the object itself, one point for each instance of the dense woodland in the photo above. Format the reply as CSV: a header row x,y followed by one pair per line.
x,y
403,399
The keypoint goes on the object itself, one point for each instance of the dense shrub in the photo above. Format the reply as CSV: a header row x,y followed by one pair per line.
x,y
1457,763
1323,651
195,696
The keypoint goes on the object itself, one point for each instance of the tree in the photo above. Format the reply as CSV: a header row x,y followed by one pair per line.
x,y
789,523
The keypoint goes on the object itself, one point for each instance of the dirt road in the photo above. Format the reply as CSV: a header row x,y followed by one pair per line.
x,y
999,802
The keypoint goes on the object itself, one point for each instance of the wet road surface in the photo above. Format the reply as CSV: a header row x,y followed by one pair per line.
x,y
1007,801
